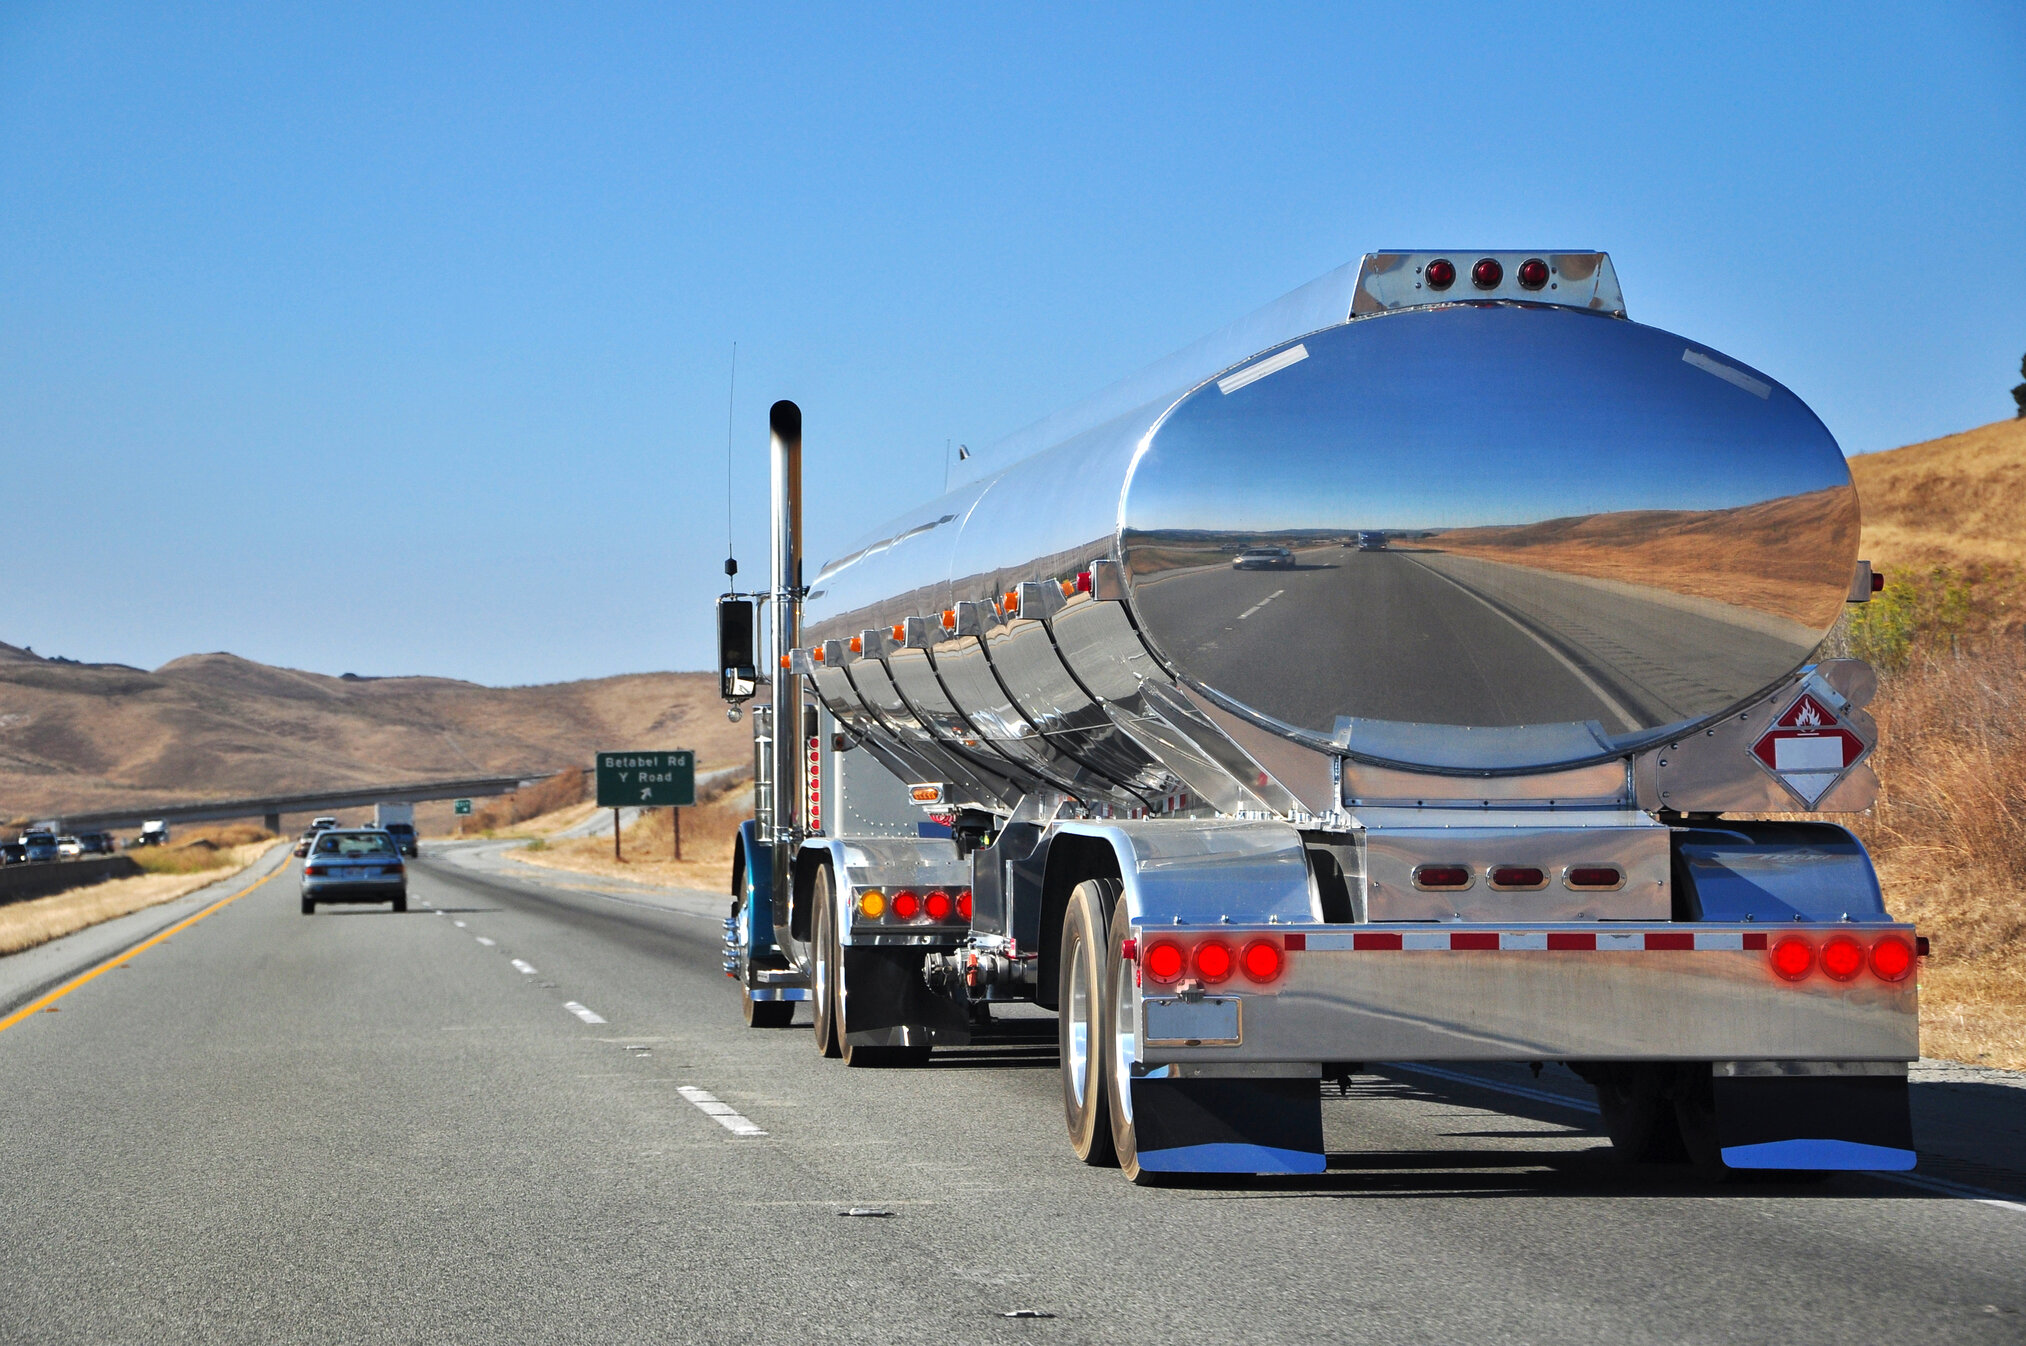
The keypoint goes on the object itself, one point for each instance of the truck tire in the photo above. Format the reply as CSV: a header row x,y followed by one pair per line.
x,y
768,1013
1638,1113
825,955
1083,1030
1122,1037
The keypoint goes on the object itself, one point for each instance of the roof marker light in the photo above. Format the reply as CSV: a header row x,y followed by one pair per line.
x,y
1518,876
1487,273
1441,876
1532,273
1440,274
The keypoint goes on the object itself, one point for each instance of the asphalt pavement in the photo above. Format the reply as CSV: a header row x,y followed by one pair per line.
x,y
527,1110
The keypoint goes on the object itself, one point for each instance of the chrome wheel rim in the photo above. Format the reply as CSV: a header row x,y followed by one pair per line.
x,y
1079,1022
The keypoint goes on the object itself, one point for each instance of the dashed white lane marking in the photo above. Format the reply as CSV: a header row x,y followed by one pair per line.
x,y
522,965
1260,604
458,924
589,1016
707,1102
483,940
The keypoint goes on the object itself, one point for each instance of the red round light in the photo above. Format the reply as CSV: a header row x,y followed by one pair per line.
x,y
1213,960
1163,962
1842,958
1892,958
1793,958
1487,273
1533,273
906,906
964,904
937,905
1440,273
1261,960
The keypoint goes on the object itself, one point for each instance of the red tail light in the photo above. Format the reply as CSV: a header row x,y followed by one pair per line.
x,y
1793,957
1441,876
1891,958
1213,960
964,904
1518,876
937,905
1842,958
1487,273
1440,274
1164,961
1594,876
312,871
1083,581
906,905
1262,960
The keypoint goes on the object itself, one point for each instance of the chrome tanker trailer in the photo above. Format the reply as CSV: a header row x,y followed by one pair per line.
x,y
1406,672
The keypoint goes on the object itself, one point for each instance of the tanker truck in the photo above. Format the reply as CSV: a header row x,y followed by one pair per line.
x,y
1507,788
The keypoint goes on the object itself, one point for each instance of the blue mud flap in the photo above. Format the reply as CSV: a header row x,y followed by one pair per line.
x,y
1228,1126
1818,1122
759,910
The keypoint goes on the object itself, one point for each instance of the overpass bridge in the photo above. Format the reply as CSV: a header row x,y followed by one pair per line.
x,y
270,808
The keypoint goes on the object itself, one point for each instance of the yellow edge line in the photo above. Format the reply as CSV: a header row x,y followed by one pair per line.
x,y
60,992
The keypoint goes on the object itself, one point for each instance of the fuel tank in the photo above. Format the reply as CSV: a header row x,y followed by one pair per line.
x,y
1506,535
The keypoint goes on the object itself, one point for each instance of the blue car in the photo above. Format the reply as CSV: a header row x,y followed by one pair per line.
x,y
353,865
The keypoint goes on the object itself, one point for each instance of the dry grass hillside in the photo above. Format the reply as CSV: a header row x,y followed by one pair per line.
x,y
1946,522
81,737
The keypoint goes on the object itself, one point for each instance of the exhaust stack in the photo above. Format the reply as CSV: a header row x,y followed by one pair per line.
x,y
784,420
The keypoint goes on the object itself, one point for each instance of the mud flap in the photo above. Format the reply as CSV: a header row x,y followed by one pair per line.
x,y
1228,1126
889,1006
1813,1121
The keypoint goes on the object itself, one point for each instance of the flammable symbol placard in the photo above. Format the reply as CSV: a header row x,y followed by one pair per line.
x,y
1808,748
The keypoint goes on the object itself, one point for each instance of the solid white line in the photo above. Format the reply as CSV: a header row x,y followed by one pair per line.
x,y
1260,604
587,1015
483,940
522,965
724,1116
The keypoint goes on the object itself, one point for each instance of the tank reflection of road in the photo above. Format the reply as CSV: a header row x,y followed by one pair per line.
x,y
1420,637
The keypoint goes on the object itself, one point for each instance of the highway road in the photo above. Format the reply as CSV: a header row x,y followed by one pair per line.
x,y
527,1111
1416,636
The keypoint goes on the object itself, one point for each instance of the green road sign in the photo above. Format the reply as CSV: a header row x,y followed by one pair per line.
x,y
462,808
646,779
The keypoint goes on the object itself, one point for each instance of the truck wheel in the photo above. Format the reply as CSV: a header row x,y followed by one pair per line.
x,y
824,957
1638,1115
768,1013
1081,1022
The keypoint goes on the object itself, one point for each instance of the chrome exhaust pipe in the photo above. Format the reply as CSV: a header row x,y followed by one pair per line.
x,y
784,421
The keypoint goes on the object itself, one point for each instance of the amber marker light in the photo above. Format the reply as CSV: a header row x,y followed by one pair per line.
x,y
872,904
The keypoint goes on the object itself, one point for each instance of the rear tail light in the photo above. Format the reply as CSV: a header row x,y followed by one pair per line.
x,y
1262,960
1083,581
312,871
1487,273
1793,957
872,904
937,906
1442,876
964,904
1440,274
1164,961
1594,876
1842,958
1891,958
1213,960
1518,876
1532,273
906,906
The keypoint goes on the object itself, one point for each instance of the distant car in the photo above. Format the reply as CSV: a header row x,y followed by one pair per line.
x,y
1371,541
353,864
96,843
1263,558
13,853
404,837
319,824
69,848
39,846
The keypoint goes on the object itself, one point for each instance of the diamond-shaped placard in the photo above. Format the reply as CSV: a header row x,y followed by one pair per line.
x,y
1807,748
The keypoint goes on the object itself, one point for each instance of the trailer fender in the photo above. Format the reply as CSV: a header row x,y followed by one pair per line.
x,y
889,1005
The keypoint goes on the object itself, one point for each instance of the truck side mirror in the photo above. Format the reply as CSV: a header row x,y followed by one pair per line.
x,y
738,668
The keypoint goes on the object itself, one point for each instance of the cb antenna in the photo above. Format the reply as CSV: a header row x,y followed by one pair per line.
x,y
731,406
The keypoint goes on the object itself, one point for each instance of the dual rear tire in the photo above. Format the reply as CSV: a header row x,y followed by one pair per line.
x,y
1096,1031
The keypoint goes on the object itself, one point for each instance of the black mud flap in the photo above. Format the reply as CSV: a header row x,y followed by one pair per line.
x,y
887,993
1228,1126
1813,1121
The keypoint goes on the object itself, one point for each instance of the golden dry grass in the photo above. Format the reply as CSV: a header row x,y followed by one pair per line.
x,y
708,831
23,925
199,851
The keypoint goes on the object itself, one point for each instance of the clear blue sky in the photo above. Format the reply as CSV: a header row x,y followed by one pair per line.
x,y
397,340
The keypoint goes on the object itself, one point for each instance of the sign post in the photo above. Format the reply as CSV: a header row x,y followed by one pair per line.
x,y
461,808
646,780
